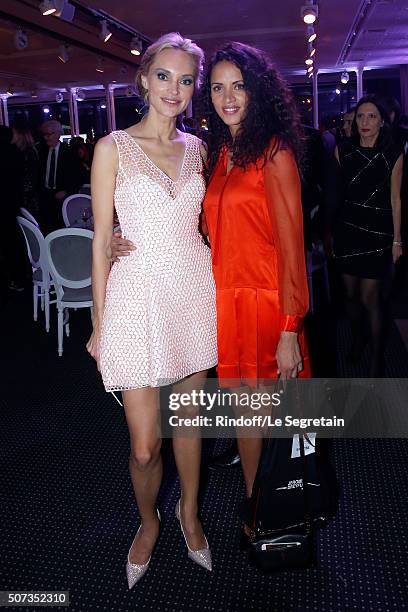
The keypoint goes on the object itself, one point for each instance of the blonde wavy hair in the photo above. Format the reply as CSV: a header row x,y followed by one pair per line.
x,y
172,40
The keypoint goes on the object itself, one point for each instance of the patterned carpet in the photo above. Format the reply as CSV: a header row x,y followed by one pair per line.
x,y
68,514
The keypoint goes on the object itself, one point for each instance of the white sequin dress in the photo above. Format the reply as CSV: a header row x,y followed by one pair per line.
x,y
159,322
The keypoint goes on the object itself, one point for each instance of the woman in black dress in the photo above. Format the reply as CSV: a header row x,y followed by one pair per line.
x,y
367,237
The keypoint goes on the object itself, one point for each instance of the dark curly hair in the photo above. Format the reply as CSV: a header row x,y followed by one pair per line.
x,y
271,110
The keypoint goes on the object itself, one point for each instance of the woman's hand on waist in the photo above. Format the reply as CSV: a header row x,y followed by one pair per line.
x,y
119,247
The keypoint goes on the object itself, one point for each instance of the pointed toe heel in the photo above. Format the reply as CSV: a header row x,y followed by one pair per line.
x,y
201,557
136,571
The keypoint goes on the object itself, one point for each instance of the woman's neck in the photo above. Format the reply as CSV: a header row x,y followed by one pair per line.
x,y
368,141
157,127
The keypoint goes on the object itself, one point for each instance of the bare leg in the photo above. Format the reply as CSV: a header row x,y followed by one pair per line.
x,y
249,447
141,410
187,452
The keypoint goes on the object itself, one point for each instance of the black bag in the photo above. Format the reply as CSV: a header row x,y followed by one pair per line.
x,y
290,497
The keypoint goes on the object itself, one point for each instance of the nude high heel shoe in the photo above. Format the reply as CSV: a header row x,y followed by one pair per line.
x,y
135,571
201,557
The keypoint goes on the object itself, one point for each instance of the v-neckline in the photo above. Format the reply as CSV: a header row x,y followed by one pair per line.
x,y
155,165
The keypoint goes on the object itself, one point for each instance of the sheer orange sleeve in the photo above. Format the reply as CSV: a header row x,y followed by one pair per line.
x,y
282,186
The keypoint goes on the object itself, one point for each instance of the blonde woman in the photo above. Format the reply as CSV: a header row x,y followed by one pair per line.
x,y
154,311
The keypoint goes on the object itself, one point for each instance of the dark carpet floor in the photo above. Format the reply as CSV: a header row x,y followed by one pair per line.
x,y
68,515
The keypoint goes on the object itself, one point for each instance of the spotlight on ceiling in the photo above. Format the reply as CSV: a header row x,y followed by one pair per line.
x,y
59,97
105,33
311,50
308,61
103,106
310,34
345,77
309,12
100,65
20,40
310,74
310,69
47,7
80,95
63,53
136,46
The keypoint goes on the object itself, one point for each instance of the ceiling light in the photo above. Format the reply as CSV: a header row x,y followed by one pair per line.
x,y
63,54
310,68
46,110
310,74
309,12
47,7
105,33
100,67
103,106
309,61
311,50
345,77
136,46
310,34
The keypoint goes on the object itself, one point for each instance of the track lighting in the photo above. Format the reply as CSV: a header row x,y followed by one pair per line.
x,y
136,46
63,54
345,77
309,12
310,34
20,40
100,66
105,33
47,7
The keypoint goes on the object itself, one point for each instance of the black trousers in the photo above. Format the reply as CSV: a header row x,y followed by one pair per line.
x,y
50,212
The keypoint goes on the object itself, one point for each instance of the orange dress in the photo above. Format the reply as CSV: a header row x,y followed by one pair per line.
x,y
253,218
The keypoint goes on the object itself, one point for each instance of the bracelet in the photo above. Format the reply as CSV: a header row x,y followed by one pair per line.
x,y
397,243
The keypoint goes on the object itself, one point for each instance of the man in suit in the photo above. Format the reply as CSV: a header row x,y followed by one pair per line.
x,y
59,176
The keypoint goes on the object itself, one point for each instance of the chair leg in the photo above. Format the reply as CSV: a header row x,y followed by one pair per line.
x,y
66,322
35,302
60,330
47,308
42,297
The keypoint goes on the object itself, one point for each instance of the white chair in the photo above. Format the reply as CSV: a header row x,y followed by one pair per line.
x,y
73,208
69,258
27,215
42,282
86,188
316,259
